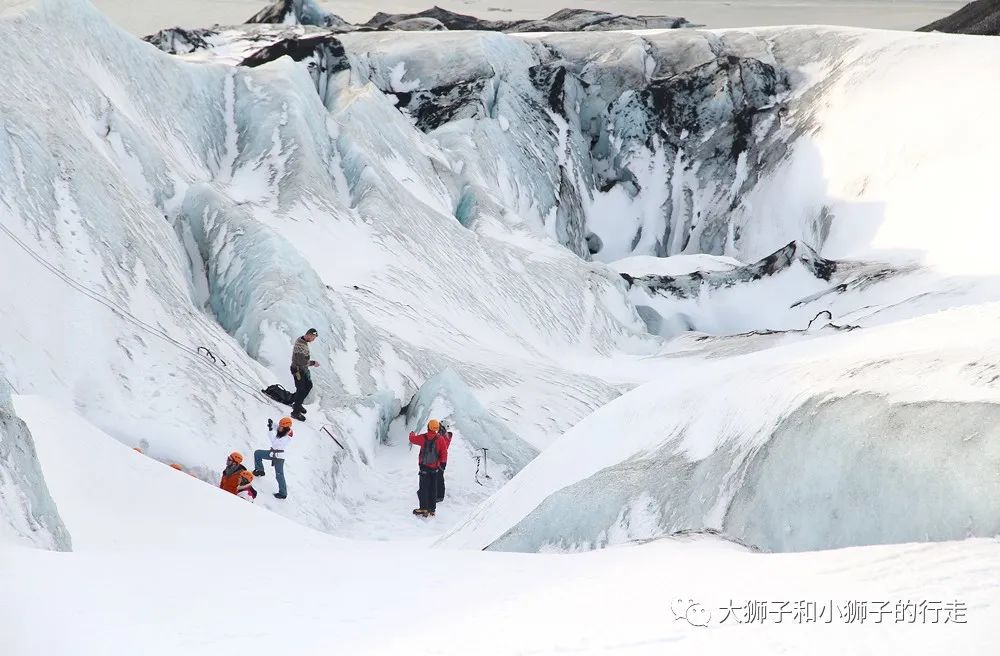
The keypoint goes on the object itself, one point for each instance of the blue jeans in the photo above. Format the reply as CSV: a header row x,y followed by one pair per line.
x,y
279,467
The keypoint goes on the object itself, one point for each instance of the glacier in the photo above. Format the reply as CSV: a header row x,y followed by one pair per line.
x,y
732,292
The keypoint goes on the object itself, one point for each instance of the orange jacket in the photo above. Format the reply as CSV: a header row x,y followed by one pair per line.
x,y
231,478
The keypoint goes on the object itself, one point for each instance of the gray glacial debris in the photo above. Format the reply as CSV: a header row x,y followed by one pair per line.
x,y
181,41
419,24
322,52
686,286
978,17
671,305
27,511
564,20
476,428
308,12
573,126
297,12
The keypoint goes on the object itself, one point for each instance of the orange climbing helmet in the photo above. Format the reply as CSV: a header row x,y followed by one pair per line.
x,y
246,478
236,457
285,422
433,425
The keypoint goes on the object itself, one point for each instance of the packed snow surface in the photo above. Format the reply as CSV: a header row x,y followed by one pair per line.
x,y
166,565
684,298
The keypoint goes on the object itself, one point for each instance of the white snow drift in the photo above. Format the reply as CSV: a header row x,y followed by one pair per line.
x,y
818,369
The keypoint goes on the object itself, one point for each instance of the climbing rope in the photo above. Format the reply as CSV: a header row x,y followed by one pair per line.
x,y
193,354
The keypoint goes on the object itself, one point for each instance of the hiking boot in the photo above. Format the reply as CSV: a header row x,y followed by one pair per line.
x,y
298,416
280,496
428,513
258,473
419,512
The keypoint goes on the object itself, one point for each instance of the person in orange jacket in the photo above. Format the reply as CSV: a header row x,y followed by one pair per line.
x,y
231,474
433,451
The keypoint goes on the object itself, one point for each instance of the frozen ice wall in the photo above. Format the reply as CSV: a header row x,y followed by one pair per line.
x,y
612,144
158,208
844,472
823,443
447,398
27,512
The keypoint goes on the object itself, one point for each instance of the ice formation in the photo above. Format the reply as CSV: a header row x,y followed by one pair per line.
x,y
441,205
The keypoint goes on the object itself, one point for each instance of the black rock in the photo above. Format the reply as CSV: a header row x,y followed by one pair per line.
x,y
564,20
299,12
979,17
180,41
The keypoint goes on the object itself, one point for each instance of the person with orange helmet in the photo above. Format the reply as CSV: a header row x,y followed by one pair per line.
x,y
245,489
281,439
231,474
433,451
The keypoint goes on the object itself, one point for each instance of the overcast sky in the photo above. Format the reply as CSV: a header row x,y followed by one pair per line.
x,y
147,16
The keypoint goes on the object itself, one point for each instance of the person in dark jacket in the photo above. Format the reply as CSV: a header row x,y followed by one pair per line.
x,y
300,372
433,448
446,436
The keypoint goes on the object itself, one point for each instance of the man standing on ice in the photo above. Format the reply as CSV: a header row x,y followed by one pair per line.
x,y
300,372
433,451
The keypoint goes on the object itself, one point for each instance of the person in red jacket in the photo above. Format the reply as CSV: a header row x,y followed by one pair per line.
x,y
446,436
433,451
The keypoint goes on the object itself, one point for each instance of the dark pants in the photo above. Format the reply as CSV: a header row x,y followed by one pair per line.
x,y
440,482
303,385
427,492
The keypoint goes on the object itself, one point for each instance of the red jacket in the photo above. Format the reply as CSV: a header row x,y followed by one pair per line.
x,y
447,441
442,447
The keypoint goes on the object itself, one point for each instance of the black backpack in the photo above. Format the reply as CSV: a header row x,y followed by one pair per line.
x,y
279,394
429,455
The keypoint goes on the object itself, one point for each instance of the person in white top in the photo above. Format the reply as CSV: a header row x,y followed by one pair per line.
x,y
280,441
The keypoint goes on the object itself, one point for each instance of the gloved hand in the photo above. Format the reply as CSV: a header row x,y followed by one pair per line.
x,y
313,363
444,466
270,424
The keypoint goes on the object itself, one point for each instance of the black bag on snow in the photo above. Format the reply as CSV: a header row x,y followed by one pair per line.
x,y
279,394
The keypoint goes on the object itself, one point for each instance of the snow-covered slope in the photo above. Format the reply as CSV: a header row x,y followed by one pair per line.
x,y
439,206
190,569
101,486
827,442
